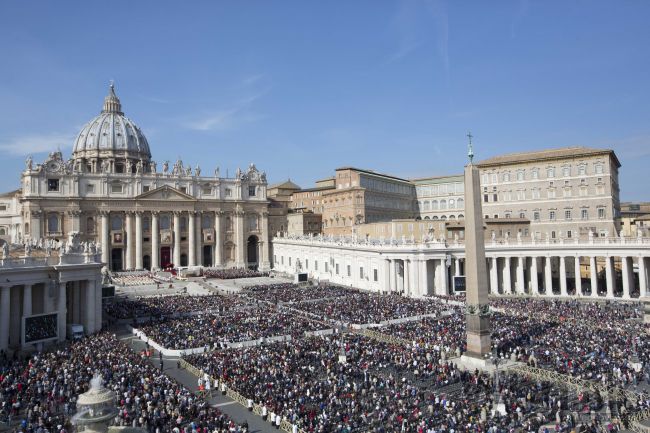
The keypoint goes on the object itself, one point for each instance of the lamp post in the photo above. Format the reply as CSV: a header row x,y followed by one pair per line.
x,y
499,406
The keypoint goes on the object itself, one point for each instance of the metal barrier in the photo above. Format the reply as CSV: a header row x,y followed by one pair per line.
x,y
633,421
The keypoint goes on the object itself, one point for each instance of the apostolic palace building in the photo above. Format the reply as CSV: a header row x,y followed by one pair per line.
x,y
140,213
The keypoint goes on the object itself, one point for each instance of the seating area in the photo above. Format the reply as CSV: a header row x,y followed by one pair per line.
x,y
232,273
133,278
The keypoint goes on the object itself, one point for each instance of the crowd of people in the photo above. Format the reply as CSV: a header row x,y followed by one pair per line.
x,y
381,387
216,330
162,306
232,273
361,307
291,293
41,391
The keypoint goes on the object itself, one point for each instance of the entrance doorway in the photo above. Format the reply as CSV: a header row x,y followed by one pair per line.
x,y
165,257
252,247
183,259
146,262
116,259
207,255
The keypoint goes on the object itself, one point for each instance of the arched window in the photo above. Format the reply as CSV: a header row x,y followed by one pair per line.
x,y
183,223
443,204
460,203
90,225
228,223
426,217
452,203
506,177
434,205
116,223
53,223
426,205
146,224
443,218
252,222
452,217
3,231
461,216
27,228
434,218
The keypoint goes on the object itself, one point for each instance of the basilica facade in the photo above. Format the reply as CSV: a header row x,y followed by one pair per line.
x,y
140,214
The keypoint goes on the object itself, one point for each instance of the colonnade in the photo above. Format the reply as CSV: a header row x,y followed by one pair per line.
x,y
72,301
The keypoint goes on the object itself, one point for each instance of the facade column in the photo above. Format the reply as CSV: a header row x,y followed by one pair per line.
x,y
507,283
578,277
27,300
563,289
626,270
457,267
61,308
548,276
89,310
395,279
594,276
199,238
241,239
643,279
407,279
192,238
177,239
5,311
534,282
494,276
104,239
138,240
128,227
442,277
521,283
218,240
266,242
609,276
155,241
424,282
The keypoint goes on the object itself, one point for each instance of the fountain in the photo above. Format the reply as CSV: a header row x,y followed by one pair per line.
x,y
95,408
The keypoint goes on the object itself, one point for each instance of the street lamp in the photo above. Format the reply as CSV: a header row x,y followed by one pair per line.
x,y
499,406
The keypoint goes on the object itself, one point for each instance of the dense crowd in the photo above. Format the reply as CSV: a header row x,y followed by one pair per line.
x,y
290,293
359,307
41,391
215,330
380,388
133,278
232,273
159,306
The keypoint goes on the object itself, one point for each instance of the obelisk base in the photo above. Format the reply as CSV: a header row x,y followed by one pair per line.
x,y
478,335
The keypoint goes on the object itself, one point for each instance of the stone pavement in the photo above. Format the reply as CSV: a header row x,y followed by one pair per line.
x,y
170,367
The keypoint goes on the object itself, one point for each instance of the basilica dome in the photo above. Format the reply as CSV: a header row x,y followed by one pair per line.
x,y
111,135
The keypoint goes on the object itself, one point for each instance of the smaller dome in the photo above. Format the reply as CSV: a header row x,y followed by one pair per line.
x,y
111,134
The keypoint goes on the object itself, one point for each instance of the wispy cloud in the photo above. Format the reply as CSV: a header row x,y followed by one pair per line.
x,y
36,143
249,80
232,117
405,26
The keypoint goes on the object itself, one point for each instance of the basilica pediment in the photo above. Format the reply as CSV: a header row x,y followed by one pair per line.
x,y
166,193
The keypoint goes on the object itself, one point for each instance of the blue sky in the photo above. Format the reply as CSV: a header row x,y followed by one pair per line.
x,y
302,87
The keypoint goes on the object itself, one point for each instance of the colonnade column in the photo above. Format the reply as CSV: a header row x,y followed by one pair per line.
x,y
61,308
104,238
407,279
521,283
443,277
507,283
192,232
218,247
643,279
563,289
177,239
534,282
138,240
89,310
128,228
494,276
626,271
457,267
4,316
548,277
27,300
609,276
387,273
155,241
593,271
578,277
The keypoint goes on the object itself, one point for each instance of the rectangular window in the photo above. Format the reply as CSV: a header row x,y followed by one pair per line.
x,y
289,261
315,265
485,198
183,189
494,198
569,234
53,185
116,187
145,188
349,271
361,272
584,214
374,272
306,263
90,188
536,216
206,190
3,207
567,214
282,260
228,192
551,215
337,269
251,191
601,213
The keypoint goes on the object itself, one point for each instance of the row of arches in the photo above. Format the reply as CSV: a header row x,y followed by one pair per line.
x,y
442,204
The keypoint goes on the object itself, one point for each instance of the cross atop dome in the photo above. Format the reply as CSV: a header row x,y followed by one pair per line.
x,y
112,102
